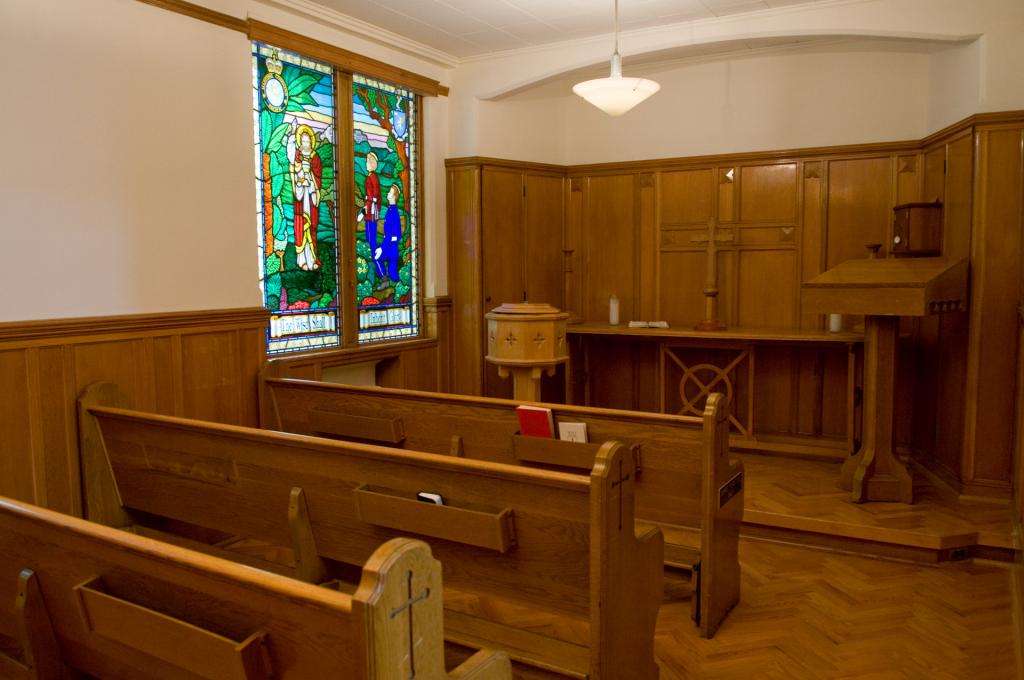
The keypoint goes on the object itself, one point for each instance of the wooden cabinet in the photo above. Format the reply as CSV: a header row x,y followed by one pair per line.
x,y
917,230
505,234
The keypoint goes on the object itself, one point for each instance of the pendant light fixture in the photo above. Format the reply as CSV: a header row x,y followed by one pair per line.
x,y
615,95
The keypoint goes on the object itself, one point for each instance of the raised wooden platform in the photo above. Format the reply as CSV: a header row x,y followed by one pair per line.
x,y
800,501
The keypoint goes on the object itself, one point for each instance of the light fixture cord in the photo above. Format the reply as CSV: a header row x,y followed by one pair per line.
x,y
616,26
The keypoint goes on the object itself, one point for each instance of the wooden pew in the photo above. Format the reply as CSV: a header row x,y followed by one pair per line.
x,y
79,596
685,477
510,538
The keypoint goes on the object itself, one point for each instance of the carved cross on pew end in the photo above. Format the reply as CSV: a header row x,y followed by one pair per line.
x,y
408,605
619,482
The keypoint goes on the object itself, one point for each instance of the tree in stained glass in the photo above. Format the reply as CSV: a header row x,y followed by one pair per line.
x,y
294,121
384,151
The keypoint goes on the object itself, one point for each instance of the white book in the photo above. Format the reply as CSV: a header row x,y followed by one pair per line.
x,y
572,432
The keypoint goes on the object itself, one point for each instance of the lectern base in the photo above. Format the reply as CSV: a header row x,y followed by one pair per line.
x,y
897,486
875,473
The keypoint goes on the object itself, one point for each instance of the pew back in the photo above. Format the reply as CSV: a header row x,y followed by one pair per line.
x,y
125,606
553,541
670,447
685,476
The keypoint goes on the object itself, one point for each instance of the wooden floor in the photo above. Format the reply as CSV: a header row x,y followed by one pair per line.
x,y
814,614
808,613
803,495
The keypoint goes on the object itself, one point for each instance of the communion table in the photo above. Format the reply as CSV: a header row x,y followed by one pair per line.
x,y
672,370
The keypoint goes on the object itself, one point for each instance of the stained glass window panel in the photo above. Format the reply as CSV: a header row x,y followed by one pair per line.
x,y
293,115
387,257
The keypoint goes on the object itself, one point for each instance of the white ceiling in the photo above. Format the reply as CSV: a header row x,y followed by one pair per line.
x,y
467,28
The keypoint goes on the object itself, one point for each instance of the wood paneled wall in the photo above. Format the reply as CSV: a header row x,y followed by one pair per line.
x,y
632,229
197,364
995,282
513,211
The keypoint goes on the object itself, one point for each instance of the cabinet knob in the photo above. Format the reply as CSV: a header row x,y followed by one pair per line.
x,y
487,299
897,240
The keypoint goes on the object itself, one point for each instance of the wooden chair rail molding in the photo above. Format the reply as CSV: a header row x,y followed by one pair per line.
x,y
129,606
46,330
347,61
683,162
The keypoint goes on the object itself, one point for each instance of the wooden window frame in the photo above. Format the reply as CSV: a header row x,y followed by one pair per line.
x,y
348,306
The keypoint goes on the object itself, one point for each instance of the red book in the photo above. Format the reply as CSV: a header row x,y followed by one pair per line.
x,y
536,421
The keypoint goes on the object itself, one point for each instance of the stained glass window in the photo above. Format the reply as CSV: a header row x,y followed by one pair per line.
x,y
384,151
294,122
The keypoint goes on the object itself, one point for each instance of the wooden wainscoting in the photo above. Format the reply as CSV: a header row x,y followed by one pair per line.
x,y
638,230
201,364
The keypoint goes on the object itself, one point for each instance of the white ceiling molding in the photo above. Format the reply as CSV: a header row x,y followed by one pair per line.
x,y
545,66
750,26
367,31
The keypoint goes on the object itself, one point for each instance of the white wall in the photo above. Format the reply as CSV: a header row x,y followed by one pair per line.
x,y
844,92
127,132
529,126
840,94
955,85
889,69
128,185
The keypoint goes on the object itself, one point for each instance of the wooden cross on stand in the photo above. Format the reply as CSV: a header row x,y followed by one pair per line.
x,y
412,640
712,239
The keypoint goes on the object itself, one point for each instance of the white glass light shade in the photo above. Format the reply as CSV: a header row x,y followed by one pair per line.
x,y
615,95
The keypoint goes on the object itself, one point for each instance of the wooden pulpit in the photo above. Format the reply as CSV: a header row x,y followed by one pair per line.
x,y
526,340
884,290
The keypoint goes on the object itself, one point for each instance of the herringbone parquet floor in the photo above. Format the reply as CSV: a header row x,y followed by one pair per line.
x,y
811,614
807,613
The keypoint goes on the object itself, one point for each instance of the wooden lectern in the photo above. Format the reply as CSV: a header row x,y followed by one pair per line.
x,y
525,340
884,290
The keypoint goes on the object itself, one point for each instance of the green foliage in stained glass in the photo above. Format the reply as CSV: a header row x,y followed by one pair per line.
x,y
384,149
295,175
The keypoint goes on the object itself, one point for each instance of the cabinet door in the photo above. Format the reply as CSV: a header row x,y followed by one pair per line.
x,y
543,237
502,205
502,256
543,227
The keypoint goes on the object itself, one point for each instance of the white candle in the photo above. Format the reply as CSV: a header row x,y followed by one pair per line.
x,y
835,323
613,310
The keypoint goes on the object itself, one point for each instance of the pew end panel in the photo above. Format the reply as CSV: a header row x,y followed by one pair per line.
x,y
626,572
101,502
401,594
269,416
724,486
124,606
37,655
